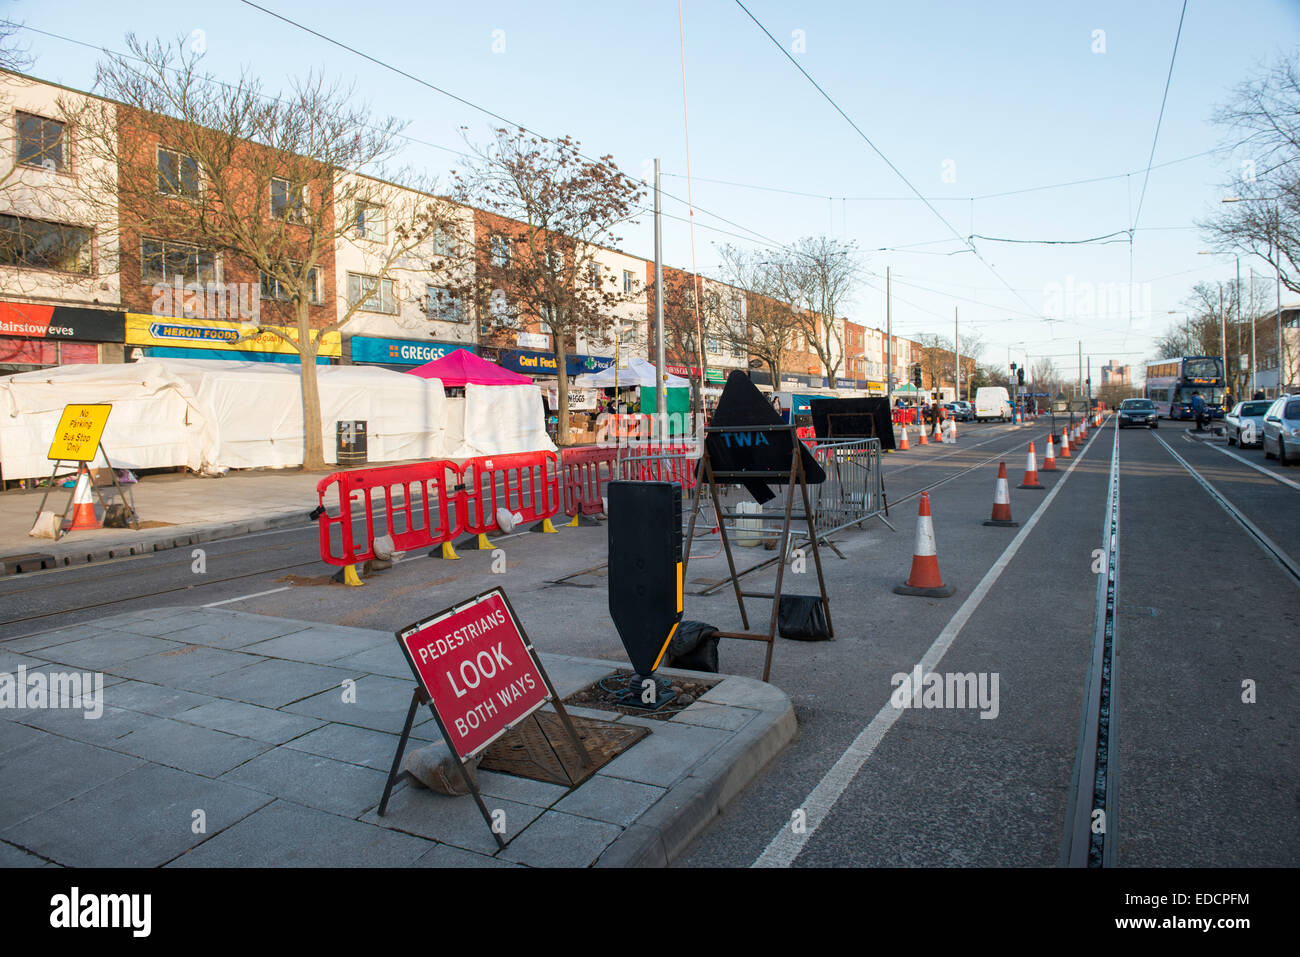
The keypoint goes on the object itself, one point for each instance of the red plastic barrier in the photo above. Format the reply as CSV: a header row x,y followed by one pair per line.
x,y
585,473
416,509
523,482
661,463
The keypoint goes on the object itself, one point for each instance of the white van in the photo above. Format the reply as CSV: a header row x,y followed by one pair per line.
x,y
992,402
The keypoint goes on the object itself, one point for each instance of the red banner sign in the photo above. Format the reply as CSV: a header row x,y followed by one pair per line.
x,y
473,662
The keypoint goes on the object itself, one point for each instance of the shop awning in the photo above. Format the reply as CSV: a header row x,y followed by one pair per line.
x,y
636,372
462,366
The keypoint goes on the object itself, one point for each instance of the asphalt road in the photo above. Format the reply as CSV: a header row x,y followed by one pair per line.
x,y
1202,776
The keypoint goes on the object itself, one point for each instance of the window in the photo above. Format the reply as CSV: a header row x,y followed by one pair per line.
x,y
712,345
627,334
371,222
40,142
40,245
371,294
735,308
627,280
272,289
593,271
178,174
287,202
500,252
442,242
737,350
442,304
162,261
499,309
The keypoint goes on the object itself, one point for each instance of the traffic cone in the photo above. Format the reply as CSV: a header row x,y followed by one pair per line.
x,y
1049,458
925,580
1031,471
952,430
83,504
1065,445
922,440
938,436
1002,500
903,446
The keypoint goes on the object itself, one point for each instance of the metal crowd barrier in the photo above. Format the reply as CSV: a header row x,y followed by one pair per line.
x,y
854,489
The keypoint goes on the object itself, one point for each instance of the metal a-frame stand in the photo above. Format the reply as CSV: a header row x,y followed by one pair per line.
x,y
127,501
794,476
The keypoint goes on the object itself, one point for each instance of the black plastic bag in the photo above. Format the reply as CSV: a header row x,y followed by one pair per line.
x,y
694,647
118,515
803,618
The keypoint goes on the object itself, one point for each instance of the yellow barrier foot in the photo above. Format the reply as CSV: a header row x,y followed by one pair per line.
x,y
348,576
574,523
447,552
483,544
544,526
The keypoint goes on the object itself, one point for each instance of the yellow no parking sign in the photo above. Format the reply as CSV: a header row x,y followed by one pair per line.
x,y
80,428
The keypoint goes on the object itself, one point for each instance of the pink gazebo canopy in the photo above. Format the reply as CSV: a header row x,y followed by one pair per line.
x,y
461,366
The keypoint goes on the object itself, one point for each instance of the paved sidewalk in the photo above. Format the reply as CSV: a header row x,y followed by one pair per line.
x,y
225,740
194,510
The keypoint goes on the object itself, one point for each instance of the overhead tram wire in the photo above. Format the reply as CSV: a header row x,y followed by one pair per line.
x,y
1160,118
866,139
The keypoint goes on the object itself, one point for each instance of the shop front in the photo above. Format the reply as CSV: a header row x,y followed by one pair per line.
x,y
159,337
36,336
398,355
543,366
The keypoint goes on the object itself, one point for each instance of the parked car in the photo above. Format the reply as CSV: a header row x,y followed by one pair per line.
x,y
960,411
1139,412
1282,429
1241,417
992,402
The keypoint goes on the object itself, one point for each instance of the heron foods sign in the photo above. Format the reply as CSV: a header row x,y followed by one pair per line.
x,y
146,330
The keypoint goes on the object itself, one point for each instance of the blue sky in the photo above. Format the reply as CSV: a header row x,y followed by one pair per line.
x,y
1000,96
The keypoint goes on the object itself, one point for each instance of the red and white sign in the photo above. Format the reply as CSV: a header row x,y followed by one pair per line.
x,y
477,670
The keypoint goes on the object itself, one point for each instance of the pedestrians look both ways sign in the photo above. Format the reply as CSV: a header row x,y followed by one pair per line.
x,y
477,671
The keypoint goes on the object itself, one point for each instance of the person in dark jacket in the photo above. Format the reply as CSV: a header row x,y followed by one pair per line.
x,y
1198,410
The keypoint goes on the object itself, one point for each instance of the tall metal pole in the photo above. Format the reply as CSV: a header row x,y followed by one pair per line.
x,y
1277,278
1253,384
956,352
661,393
889,344
1080,392
1238,369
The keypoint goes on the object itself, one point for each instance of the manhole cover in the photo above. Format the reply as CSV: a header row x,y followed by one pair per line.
x,y
527,752
606,695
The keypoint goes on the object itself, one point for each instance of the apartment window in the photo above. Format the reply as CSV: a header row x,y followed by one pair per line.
x,y
500,252
442,304
40,142
178,174
593,272
442,242
371,294
287,202
39,245
627,334
737,350
371,222
735,308
499,309
162,261
712,345
627,280
273,289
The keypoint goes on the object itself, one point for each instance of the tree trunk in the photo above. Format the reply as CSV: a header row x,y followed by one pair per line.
x,y
562,383
313,453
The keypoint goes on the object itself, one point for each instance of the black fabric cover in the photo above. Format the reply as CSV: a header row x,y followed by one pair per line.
x,y
802,617
867,417
741,403
694,647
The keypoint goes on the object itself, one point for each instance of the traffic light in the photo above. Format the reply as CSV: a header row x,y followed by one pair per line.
x,y
916,375
1020,376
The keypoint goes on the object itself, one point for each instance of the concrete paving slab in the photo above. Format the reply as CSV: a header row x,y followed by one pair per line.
x,y
151,816
612,800
48,639
15,735
284,834
11,856
381,704
45,773
239,631
444,855
188,747
273,682
665,755
11,661
186,663
153,699
561,840
707,714
108,730
106,650
360,746
451,820
379,660
312,781
319,644
514,788
249,721
171,624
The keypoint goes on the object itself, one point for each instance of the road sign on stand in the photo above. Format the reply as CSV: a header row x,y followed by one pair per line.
x,y
78,438
478,673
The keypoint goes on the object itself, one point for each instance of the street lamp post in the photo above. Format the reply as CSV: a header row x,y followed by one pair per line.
x,y
1276,249
1223,321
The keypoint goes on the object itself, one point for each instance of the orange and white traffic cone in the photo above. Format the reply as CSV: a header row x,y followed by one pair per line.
x,y
83,504
925,580
952,430
1049,459
1031,471
1065,444
921,440
903,446
1002,500
938,435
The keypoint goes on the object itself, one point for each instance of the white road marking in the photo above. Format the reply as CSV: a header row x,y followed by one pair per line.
x,y
1258,468
259,594
786,845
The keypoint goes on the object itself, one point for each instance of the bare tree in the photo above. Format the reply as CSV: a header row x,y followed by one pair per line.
x,y
13,55
817,275
771,323
1263,118
937,359
537,260
219,181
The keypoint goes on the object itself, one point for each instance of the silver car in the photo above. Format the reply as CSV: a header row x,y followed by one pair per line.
x,y
1238,423
1282,429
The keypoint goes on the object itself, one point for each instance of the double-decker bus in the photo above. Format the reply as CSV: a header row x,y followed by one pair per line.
x,y
1171,382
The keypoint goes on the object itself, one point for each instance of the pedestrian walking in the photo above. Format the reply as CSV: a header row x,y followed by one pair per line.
x,y
1198,410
